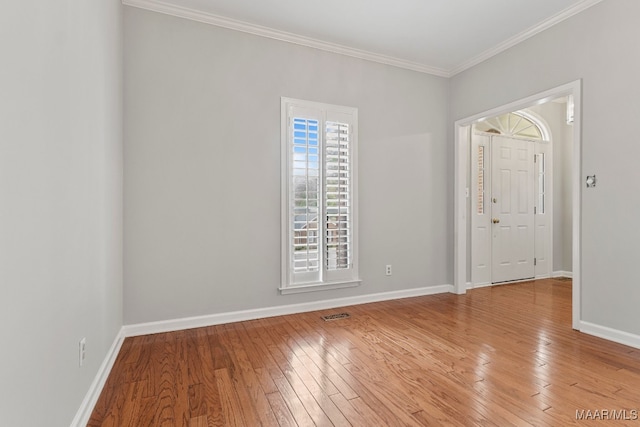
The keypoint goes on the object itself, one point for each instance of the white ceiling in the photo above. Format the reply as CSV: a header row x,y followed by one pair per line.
x,y
441,37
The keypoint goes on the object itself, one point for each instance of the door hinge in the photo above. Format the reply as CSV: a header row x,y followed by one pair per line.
x,y
535,210
535,261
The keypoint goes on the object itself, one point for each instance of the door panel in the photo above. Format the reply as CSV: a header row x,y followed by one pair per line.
x,y
504,207
512,209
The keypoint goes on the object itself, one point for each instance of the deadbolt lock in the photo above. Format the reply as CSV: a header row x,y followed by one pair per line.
x,y
495,200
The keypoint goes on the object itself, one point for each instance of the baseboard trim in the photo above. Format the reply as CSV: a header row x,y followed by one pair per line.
x,y
562,274
91,398
259,313
610,334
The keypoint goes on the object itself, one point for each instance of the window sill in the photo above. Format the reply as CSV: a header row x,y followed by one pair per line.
x,y
312,287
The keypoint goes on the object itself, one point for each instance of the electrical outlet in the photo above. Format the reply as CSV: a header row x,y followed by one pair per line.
x,y
388,270
82,351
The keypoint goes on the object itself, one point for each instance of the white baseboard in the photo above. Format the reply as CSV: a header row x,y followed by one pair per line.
x,y
259,313
91,398
562,274
610,334
84,412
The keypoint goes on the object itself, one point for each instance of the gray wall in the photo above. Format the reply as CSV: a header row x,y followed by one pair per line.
x,y
597,46
202,167
60,203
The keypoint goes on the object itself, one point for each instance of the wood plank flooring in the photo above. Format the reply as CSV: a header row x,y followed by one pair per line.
x,y
499,356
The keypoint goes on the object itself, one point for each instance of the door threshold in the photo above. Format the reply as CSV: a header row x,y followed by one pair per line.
x,y
508,282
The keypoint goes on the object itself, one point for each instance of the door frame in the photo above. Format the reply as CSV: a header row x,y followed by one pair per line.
x,y
462,134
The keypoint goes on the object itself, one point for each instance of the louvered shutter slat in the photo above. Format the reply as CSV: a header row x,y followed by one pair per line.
x,y
337,196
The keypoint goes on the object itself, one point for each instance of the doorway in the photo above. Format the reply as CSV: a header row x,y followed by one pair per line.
x,y
462,203
511,197
502,209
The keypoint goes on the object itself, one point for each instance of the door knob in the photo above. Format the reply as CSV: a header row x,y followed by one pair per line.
x,y
495,220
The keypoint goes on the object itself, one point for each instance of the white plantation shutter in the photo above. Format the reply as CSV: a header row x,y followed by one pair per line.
x,y
337,196
319,187
305,209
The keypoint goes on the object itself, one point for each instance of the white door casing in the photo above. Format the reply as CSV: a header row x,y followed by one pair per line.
x,y
462,223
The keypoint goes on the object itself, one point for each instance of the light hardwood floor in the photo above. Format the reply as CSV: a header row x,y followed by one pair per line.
x,y
500,356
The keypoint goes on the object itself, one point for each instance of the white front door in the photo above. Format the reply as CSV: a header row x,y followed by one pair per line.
x,y
512,209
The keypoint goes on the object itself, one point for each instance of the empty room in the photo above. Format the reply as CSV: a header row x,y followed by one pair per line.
x,y
336,213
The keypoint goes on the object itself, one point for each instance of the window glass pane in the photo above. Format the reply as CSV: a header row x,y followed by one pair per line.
x,y
511,124
480,188
541,184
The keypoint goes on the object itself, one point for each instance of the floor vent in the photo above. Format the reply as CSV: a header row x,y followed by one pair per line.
x,y
337,316
563,279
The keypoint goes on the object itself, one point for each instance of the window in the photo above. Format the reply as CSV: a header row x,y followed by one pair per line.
x,y
540,161
319,196
519,124
480,177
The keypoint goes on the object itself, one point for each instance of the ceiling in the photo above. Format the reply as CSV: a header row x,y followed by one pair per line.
x,y
441,37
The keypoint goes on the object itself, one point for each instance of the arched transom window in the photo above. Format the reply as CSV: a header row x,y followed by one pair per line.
x,y
512,124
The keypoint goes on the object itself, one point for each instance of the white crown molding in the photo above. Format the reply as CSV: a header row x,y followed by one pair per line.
x,y
233,24
519,38
259,313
